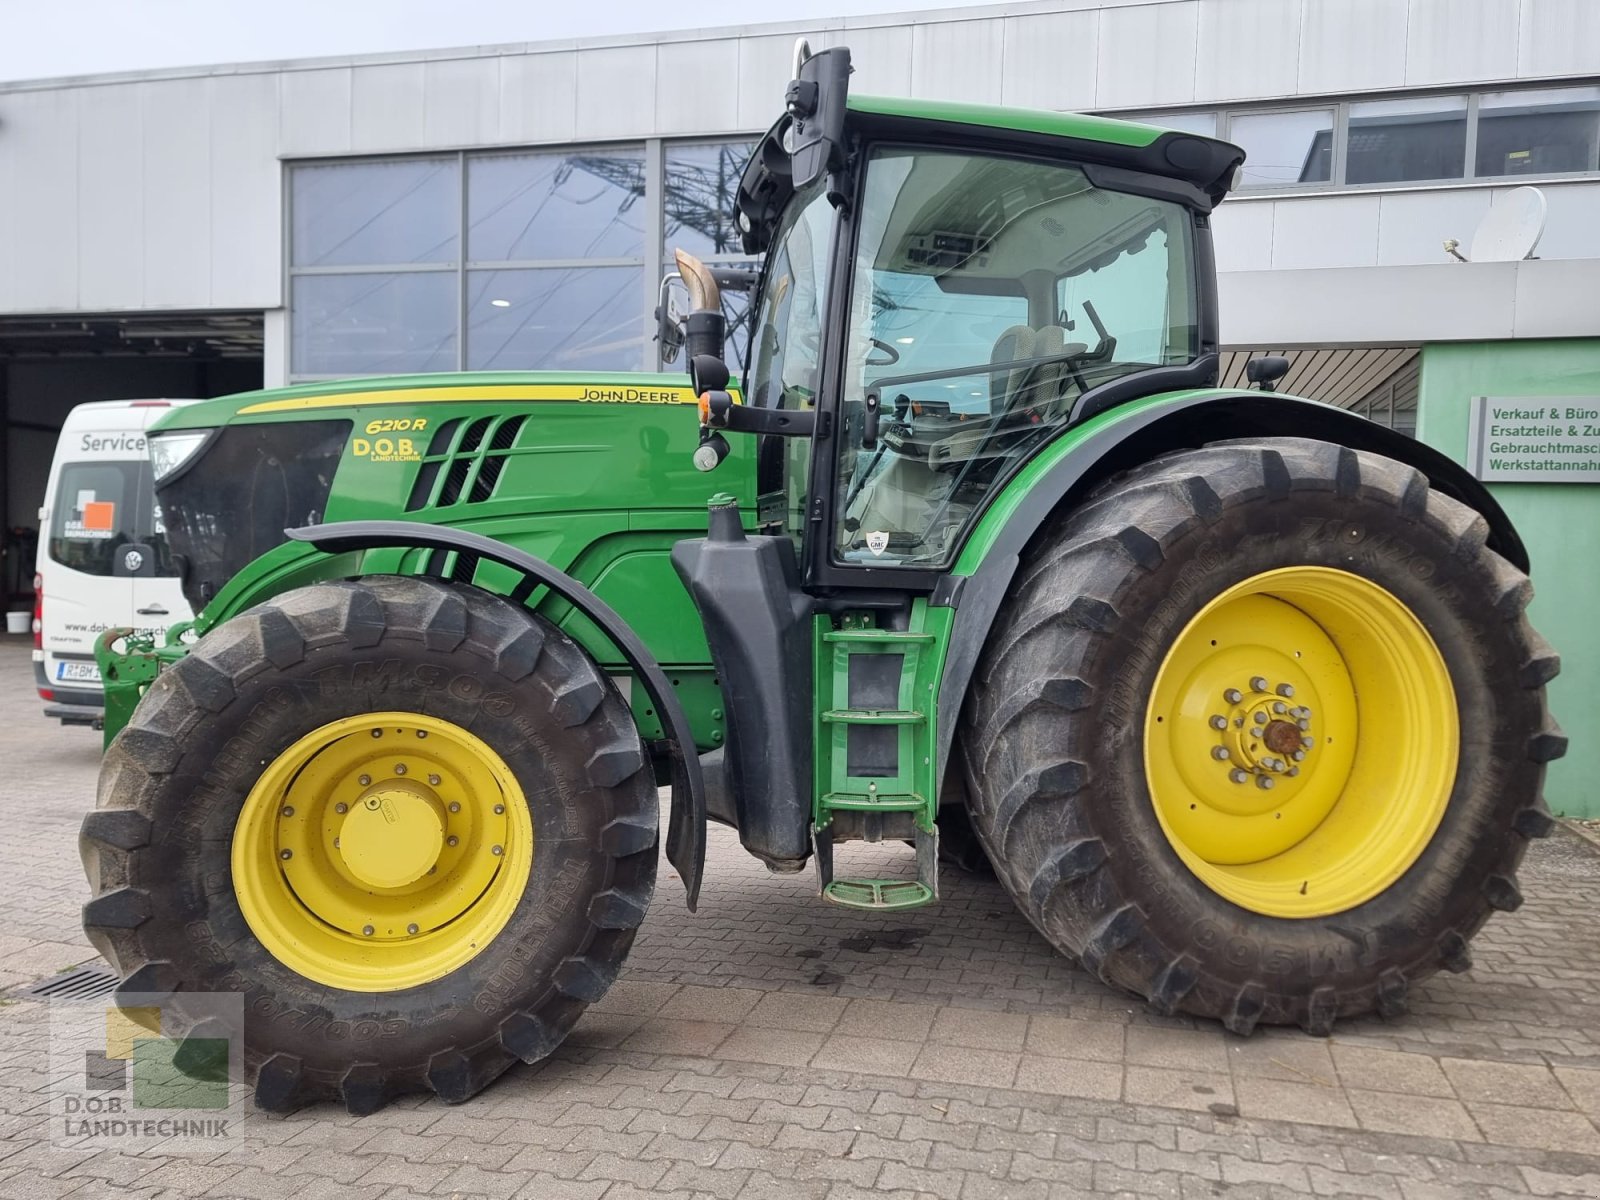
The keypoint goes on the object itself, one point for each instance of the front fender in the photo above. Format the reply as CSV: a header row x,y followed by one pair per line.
x,y
686,830
1122,438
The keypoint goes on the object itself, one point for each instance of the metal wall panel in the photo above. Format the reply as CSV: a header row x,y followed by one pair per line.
x,y
616,91
1558,37
539,97
1147,55
314,112
1242,235
177,182
1412,226
1449,42
461,102
958,60
246,193
1247,48
386,102
765,64
692,87
1558,299
1571,229
1352,45
111,200
881,56
1325,231
41,139
1050,60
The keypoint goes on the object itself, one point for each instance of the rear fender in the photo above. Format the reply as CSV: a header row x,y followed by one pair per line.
x,y
1070,468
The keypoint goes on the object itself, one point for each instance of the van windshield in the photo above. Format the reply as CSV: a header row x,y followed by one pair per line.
x,y
100,509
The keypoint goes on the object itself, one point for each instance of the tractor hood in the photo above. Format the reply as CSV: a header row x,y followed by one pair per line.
x,y
535,447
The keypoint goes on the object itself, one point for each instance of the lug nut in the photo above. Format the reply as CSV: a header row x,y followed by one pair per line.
x,y
498,809
1308,742
1299,756
1261,718
1279,707
1303,723
364,780
1258,684
433,781
286,854
413,928
1233,695
497,850
422,733
1219,722
1264,782
367,930
1293,771
1238,776
454,806
1220,753
335,843
341,807
377,733
451,840
1286,691
399,768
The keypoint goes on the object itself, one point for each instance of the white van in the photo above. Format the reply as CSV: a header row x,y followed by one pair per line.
x,y
103,554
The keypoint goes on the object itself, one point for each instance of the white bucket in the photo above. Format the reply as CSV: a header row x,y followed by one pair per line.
x,y
19,622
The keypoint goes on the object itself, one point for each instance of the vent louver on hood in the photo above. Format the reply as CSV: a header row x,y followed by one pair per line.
x,y
464,461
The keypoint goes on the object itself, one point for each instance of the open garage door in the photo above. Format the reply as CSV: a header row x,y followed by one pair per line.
x,y
50,364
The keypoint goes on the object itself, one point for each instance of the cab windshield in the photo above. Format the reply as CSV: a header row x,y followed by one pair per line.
x,y
988,294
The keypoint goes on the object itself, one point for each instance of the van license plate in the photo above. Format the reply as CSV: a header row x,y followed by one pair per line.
x,y
86,672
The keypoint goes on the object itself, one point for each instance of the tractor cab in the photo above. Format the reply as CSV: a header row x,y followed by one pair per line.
x,y
939,300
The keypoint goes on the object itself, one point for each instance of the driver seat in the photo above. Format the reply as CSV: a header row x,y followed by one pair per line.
x,y
1037,388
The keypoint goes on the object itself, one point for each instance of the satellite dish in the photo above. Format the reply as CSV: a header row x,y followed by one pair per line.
x,y
1511,228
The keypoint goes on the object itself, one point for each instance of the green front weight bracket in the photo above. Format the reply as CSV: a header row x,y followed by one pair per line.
x,y
127,673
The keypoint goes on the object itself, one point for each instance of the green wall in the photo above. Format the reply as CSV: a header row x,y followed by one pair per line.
x,y
1559,522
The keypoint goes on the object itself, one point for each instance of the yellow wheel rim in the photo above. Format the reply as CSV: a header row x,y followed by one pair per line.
x,y
382,851
1301,742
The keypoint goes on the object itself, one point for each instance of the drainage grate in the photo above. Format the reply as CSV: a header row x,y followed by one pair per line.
x,y
82,983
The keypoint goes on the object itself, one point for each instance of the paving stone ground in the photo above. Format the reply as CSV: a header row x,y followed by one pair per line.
x,y
772,1046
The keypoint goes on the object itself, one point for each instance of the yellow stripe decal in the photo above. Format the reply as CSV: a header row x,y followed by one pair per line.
x,y
574,393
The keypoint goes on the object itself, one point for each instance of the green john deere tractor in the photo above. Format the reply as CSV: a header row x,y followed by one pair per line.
x,y
1235,691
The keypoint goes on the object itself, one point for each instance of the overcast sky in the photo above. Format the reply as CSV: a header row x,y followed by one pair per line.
x,y
40,39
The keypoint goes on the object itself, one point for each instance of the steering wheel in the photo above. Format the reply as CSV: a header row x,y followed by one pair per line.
x,y
892,355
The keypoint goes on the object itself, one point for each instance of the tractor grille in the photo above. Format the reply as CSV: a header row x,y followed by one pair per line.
x,y
464,461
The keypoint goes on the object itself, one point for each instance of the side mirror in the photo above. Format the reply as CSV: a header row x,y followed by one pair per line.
x,y
815,103
1266,371
671,309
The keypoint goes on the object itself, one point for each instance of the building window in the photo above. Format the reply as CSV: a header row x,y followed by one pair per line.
x,y
1412,139
500,260
1285,148
702,182
1392,141
1542,132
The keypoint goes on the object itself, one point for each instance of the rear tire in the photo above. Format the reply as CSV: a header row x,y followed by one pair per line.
x,y
178,786
1058,749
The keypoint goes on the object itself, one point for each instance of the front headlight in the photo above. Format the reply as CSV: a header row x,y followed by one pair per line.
x,y
169,451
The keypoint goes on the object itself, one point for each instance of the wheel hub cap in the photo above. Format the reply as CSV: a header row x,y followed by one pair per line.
x,y
393,836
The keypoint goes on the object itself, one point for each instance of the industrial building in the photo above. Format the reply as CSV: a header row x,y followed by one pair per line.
x,y
196,231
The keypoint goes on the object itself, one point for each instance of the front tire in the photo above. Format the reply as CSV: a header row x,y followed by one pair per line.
x,y
1117,741
409,820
